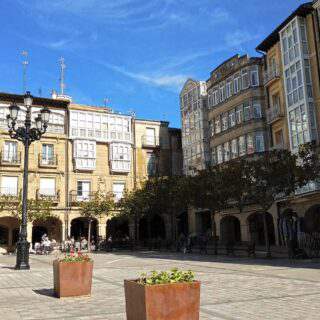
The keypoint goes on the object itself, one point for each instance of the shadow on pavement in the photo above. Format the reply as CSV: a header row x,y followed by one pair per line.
x,y
45,292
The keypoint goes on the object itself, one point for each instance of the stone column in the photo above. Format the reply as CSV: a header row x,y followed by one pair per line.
x,y
102,229
132,231
168,226
29,231
63,232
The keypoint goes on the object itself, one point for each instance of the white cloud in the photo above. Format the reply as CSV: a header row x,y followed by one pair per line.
x,y
239,37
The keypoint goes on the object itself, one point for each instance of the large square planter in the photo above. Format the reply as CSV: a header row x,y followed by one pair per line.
x,y
178,301
72,279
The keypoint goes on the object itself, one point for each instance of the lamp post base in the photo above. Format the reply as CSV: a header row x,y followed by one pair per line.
x,y
22,255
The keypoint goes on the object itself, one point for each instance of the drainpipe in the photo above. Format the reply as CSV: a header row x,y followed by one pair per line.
x,y
267,94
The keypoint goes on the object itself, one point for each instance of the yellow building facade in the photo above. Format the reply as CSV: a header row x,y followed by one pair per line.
x,y
85,149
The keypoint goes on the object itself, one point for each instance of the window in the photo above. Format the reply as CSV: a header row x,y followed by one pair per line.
x,y
259,142
151,164
47,156
217,125
219,154
246,111
215,97
9,185
229,88
225,121
245,79
242,146
237,83
10,151
250,146
232,118
256,109
211,128
83,190
151,135
222,92
239,114
85,154
234,148
254,76
299,126
47,187
118,189
278,138
226,151
120,157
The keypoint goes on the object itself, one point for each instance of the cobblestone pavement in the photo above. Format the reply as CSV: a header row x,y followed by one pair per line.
x,y
232,288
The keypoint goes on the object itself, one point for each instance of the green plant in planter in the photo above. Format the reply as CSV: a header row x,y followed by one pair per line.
x,y
72,257
166,277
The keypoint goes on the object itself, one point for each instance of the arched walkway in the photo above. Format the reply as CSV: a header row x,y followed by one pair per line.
x,y
118,228
312,219
9,233
80,226
203,222
230,231
152,228
51,226
256,229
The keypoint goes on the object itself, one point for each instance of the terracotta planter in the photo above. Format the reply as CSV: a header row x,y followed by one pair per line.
x,y
72,278
178,301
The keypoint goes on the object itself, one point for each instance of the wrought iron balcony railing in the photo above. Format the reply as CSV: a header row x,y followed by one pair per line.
x,y
48,161
271,74
274,113
9,194
48,194
150,141
10,159
75,197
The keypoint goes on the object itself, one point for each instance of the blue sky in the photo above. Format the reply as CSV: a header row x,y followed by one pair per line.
x,y
138,53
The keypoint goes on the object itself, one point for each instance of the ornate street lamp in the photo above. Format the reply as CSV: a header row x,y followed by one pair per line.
x,y
26,134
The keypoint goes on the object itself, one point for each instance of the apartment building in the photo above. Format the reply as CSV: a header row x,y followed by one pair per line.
x,y
291,54
85,149
257,104
236,109
193,108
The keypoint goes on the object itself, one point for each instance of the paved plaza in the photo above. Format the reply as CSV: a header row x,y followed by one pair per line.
x,y
232,288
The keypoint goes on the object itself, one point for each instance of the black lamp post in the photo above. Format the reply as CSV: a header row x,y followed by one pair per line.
x,y
26,134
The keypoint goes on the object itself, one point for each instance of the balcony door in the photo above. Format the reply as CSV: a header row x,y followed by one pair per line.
x,y
10,151
150,136
9,186
47,154
48,187
83,190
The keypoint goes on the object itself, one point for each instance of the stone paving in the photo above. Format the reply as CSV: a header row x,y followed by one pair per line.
x,y
232,288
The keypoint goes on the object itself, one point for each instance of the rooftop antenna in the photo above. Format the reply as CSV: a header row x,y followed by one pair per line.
x,y
132,113
40,92
25,63
106,100
62,68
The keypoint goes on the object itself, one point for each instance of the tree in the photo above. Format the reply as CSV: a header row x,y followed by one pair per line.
x,y
38,209
273,175
100,204
210,191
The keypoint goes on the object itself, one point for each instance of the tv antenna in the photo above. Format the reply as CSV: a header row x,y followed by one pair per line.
x,y
106,101
25,64
62,69
132,113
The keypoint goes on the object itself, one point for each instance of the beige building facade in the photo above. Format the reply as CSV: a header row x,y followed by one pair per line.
x,y
86,149
278,109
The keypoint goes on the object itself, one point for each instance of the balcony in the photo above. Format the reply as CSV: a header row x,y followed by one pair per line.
x,y
48,162
8,194
84,164
120,166
273,114
271,75
150,141
74,197
48,194
10,160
